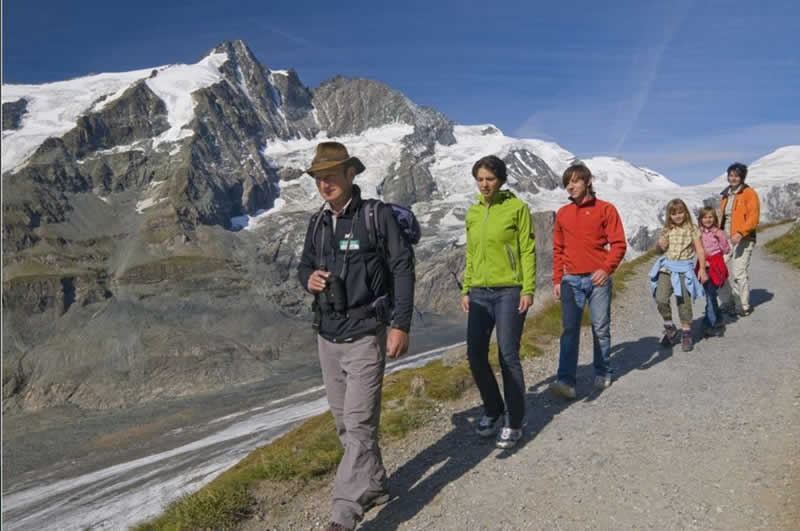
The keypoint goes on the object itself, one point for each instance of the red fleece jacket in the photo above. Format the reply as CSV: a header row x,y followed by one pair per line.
x,y
587,237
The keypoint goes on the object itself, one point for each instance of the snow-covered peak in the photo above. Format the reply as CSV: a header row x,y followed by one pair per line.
x,y
620,175
54,108
781,165
175,86
452,168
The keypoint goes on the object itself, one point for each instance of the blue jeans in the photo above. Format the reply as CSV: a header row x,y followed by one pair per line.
x,y
490,308
712,306
575,291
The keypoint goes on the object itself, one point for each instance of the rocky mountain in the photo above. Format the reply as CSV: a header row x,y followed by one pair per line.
x,y
152,220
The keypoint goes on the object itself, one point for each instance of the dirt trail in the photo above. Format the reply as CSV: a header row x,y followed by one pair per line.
x,y
708,439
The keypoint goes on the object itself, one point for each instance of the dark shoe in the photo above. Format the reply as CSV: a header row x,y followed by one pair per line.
x,y
686,341
744,312
730,309
714,331
336,526
670,336
602,382
562,389
488,426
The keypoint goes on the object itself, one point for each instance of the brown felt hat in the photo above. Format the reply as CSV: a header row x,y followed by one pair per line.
x,y
332,154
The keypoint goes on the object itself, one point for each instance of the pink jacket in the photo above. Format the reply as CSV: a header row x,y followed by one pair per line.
x,y
714,241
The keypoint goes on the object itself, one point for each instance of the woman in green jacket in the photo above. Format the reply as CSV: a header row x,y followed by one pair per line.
x,y
499,281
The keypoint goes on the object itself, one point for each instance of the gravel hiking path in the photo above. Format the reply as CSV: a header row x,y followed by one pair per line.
x,y
708,439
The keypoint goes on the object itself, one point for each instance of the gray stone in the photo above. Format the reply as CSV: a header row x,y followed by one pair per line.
x,y
416,388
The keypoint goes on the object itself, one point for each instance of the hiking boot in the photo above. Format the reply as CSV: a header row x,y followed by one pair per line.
x,y
602,382
562,389
744,312
488,426
336,526
508,437
670,336
686,340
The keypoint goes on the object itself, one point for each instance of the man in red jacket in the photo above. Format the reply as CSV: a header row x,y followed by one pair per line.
x,y
588,245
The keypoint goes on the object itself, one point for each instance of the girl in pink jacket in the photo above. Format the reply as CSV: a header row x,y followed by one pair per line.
x,y
716,246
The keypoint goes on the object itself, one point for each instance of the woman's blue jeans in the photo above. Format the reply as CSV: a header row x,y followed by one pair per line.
x,y
576,290
491,308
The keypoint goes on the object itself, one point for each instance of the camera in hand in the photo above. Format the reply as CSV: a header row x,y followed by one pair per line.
x,y
336,294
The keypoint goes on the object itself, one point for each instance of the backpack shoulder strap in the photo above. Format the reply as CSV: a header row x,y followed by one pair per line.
x,y
371,221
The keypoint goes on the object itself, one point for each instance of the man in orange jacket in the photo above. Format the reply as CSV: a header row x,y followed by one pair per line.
x,y
739,212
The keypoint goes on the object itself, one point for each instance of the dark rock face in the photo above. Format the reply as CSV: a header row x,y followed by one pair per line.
x,y
137,115
529,171
13,111
410,180
351,106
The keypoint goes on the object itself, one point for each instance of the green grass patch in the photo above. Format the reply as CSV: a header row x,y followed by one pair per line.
x,y
34,271
787,246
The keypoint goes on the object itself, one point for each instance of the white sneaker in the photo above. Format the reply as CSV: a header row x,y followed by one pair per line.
x,y
508,437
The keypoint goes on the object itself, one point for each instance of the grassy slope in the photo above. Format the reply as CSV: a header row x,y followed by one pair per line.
x,y
787,246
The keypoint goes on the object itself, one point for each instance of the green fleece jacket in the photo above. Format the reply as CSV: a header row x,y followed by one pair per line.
x,y
500,245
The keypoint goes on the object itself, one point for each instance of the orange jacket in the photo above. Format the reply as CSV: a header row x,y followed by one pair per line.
x,y
745,213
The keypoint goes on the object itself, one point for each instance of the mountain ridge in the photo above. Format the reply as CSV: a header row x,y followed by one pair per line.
x,y
125,196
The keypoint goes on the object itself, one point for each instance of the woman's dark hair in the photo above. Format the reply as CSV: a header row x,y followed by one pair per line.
x,y
494,165
739,169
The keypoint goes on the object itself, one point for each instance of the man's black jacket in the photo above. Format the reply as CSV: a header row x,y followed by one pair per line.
x,y
368,276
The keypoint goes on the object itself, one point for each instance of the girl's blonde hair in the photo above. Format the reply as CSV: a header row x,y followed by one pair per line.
x,y
676,205
707,210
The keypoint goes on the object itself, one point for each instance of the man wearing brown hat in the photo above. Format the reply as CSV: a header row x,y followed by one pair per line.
x,y
363,302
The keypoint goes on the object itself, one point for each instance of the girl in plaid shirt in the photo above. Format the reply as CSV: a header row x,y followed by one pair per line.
x,y
674,272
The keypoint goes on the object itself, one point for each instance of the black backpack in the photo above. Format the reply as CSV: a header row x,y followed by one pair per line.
x,y
406,220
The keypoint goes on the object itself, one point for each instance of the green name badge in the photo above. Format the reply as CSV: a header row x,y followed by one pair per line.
x,y
354,245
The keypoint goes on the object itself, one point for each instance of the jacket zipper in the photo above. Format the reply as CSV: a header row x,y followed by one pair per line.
x,y
483,242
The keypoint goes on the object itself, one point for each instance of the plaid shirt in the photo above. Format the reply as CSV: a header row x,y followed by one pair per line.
x,y
680,241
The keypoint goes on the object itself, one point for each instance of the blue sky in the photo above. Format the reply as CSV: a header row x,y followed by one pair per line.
x,y
681,87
